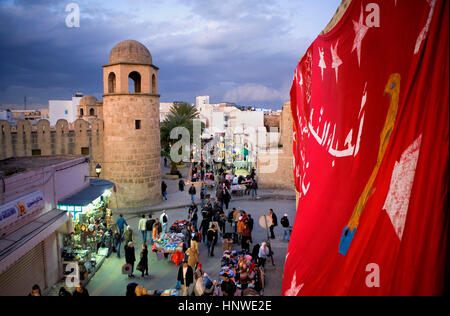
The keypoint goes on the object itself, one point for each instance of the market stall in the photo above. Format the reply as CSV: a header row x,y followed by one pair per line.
x,y
92,238
169,246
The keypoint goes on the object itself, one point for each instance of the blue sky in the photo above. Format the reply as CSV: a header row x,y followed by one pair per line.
x,y
241,51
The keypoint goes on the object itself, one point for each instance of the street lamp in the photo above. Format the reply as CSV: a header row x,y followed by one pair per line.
x,y
98,170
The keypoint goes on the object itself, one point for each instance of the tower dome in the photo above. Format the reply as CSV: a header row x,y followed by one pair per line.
x,y
88,100
130,51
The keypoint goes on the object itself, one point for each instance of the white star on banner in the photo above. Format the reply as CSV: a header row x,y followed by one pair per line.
x,y
397,200
336,60
322,63
360,30
423,34
294,290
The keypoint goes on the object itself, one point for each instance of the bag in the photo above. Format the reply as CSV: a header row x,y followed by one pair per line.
x,y
140,267
127,268
164,219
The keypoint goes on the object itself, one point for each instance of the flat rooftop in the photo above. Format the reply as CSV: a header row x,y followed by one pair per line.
x,y
15,165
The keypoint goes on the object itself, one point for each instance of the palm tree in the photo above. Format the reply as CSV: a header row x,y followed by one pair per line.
x,y
181,115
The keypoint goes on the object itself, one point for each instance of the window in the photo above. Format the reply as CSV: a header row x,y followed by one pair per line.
x,y
137,124
112,83
81,112
154,84
85,151
91,112
134,82
36,152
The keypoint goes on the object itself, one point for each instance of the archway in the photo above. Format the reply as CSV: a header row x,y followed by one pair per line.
x,y
112,83
134,82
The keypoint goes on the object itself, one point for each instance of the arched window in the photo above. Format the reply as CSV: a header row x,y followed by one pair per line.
x,y
134,82
81,112
91,112
154,84
112,83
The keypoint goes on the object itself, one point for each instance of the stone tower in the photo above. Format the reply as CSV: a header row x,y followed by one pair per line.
x,y
131,119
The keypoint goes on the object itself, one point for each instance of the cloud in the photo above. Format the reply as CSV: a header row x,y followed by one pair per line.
x,y
252,92
245,50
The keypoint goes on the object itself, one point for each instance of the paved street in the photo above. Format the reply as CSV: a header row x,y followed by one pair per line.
x,y
109,281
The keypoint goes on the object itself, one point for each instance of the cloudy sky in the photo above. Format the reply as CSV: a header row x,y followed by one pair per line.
x,y
241,51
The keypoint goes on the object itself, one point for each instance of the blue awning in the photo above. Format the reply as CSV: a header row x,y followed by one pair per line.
x,y
86,196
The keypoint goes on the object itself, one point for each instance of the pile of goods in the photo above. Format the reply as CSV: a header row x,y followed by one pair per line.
x,y
170,246
178,226
244,272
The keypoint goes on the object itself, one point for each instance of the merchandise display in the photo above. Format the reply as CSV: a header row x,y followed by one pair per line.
x,y
242,269
91,240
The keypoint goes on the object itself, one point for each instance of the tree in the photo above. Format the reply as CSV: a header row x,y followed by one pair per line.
x,y
181,115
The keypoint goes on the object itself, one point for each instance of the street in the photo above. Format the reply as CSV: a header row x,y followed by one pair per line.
x,y
109,281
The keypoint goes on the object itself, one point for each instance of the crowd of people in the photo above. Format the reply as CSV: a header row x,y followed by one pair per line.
x,y
208,223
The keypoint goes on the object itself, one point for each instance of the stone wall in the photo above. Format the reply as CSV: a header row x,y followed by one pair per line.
x,y
25,140
275,167
271,120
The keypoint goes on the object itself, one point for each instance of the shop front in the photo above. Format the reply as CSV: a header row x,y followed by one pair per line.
x,y
92,238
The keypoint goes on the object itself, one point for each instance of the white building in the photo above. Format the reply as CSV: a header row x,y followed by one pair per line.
x,y
164,110
5,115
64,109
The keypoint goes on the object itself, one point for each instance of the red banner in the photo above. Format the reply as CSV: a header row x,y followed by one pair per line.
x,y
370,102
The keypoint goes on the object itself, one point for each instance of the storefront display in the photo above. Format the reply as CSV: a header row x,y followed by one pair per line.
x,y
92,238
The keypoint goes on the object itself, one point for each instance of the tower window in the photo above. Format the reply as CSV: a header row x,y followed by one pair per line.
x,y
137,124
81,112
112,83
154,84
91,112
134,82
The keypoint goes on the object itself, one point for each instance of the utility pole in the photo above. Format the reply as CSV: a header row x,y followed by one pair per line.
x,y
25,102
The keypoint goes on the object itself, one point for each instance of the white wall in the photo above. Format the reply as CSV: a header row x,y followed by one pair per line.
x,y
62,109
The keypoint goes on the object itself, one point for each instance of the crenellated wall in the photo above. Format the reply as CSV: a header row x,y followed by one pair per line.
x,y
82,138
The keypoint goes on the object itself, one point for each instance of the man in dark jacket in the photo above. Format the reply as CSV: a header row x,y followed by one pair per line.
x,y
286,227
185,277
149,226
212,237
228,287
204,226
164,190
130,257
192,193
274,223
181,185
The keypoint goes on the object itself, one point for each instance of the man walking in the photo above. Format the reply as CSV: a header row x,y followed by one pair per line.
x,y
286,227
142,226
130,257
274,223
192,193
149,227
212,237
164,219
121,223
164,190
118,242
185,277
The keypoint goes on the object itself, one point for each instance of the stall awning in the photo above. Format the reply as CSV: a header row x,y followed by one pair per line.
x,y
16,244
84,197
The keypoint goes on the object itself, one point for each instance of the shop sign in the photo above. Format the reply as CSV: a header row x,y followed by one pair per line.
x,y
18,209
